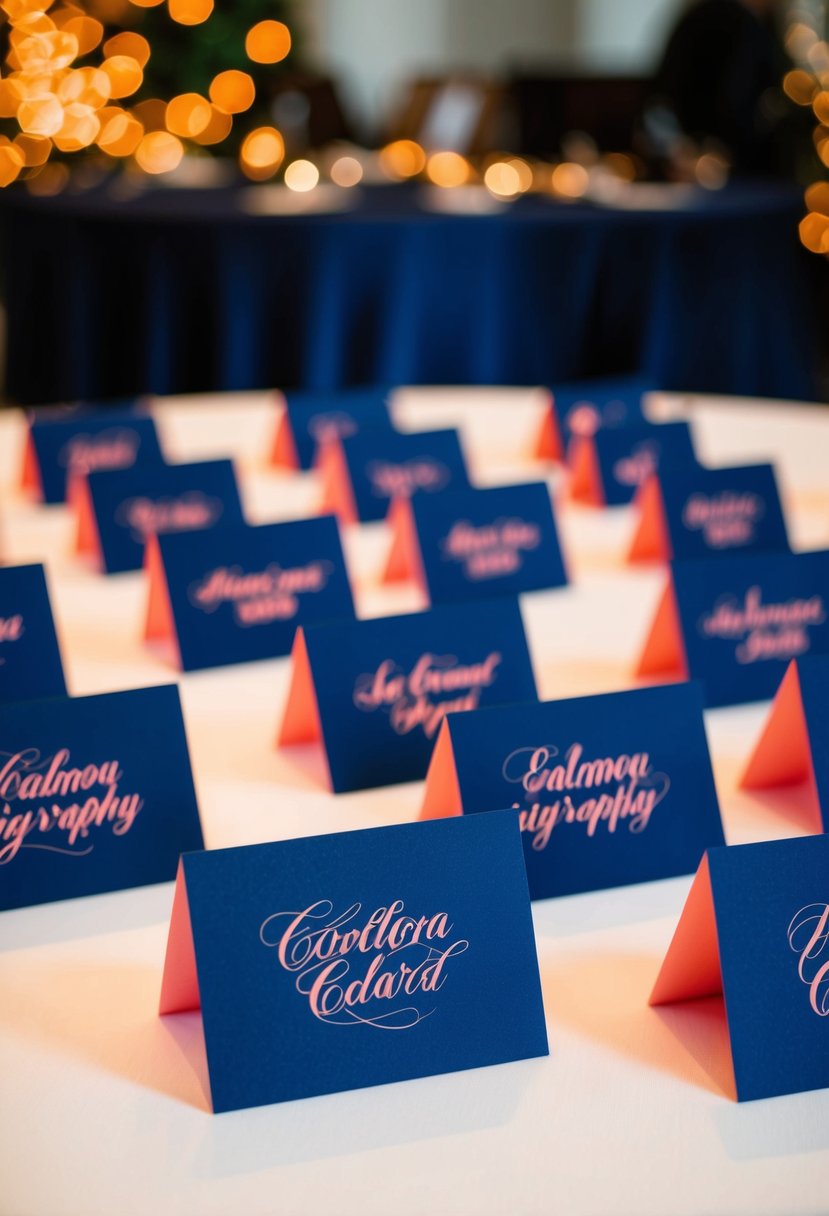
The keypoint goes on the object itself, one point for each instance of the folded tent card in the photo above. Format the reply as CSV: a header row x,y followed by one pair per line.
x,y
96,795
687,511
238,593
30,662
584,407
610,789
606,469
374,693
64,443
794,745
309,419
470,544
735,625
117,511
755,929
361,475
358,958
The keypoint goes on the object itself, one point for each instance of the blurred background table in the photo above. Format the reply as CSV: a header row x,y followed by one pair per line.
x,y
175,290
102,1104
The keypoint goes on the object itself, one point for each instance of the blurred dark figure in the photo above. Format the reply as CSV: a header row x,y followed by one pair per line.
x,y
721,68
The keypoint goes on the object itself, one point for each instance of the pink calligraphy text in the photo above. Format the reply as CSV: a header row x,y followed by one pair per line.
x,y
115,448
619,790
422,697
379,970
259,596
808,935
764,631
632,470
492,550
725,519
403,480
189,513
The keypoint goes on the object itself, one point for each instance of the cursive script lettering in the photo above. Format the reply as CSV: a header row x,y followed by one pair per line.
x,y
189,513
403,480
491,550
764,631
808,935
333,425
372,971
725,519
115,448
410,698
632,470
259,596
39,798
634,790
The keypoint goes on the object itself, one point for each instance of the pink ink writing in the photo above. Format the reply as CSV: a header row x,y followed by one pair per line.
x,y
764,631
370,970
725,519
635,790
403,480
492,550
808,936
632,470
259,596
410,697
190,513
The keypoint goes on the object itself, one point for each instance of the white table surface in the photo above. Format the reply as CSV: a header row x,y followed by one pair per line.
x,y
102,1105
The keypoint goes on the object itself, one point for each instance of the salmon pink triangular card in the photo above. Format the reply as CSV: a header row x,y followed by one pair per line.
x,y
375,692
610,790
364,473
64,443
584,407
549,444
117,511
339,940
755,928
688,511
309,419
236,594
472,544
30,662
607,468
736,625
794,745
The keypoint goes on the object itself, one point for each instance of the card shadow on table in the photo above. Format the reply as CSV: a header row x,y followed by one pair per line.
x,y
106,1017
765,814
604,996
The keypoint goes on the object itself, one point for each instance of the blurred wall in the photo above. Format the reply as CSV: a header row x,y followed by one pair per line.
x,y
375,46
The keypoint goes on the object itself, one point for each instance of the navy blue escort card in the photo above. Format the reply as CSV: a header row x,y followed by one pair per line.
x,y
755,929
64,444
611,789
583,407
96,795
794,745
118,511
311,419
233,594
609,467
735,625
375,692
30,662
469,544
363,474
689,511
304,955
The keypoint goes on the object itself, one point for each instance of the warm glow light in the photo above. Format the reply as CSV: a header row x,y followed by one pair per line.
x,y
10,98
80,128
90,86
268,42
49,180
188,114
301,176
159,152
820,105
570,180
447,169
817,197
40,116
87,30
403,158
34,149
502,180
814,230
125,74
128,43
190,12
346,171
232,91
49,52
711,171
799,86
152,114
525,173
262,153
146,3
11,162
217,129
621,165
120,133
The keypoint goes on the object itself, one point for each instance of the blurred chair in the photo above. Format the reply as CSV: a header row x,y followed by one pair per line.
x,y
307,109
457,113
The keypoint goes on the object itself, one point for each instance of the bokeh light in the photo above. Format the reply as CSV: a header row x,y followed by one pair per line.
x,y
268,42
570,179
346,171
301,175
128,43
502,180
125,75
403,158
447,169
262,153
190,12
159,152
232,91
188,115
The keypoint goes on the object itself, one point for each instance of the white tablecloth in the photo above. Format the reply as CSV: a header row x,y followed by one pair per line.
x,y
102,1106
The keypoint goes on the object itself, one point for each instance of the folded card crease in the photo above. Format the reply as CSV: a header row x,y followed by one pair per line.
x,y
548,444
87,539
284,453
301,717
664,651
442,795
404,561
180,980
651,541
30,479
691,968
585,478
337,494
782,755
